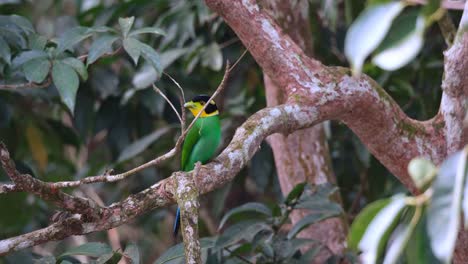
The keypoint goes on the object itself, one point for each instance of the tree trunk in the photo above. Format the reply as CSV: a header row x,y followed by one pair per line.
x,y
302,155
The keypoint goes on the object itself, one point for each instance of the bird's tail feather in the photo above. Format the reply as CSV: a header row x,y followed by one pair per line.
x,y
176,228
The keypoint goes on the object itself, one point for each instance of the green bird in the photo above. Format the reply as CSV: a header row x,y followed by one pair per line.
x,y
202,140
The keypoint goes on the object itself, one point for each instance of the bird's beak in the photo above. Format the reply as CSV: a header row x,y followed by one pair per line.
x,y
189,104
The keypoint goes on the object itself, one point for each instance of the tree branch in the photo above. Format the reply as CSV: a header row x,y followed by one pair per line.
x,y
453,106
359,102
27,183
187,199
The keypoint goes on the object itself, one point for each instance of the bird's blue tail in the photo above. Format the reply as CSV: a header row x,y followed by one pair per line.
x,y
176,228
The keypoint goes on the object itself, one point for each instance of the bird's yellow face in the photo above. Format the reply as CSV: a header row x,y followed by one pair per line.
x,y
197,104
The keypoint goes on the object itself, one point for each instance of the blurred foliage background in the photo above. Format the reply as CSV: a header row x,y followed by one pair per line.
x,y
119,121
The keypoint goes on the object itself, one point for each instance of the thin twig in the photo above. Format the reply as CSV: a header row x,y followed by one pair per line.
x,y
156,89
218,90
26,85
181,101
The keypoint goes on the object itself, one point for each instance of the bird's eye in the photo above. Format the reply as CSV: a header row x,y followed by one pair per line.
x,y
202,103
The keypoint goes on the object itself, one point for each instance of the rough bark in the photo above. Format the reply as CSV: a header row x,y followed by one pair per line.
x,y
303,155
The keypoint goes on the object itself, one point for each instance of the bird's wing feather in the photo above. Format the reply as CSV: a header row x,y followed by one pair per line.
x,y
190,140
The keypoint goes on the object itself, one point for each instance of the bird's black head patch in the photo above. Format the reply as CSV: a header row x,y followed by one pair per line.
x,y
203,99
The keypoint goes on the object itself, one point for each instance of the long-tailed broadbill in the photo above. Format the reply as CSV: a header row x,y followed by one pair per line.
x,y
202,140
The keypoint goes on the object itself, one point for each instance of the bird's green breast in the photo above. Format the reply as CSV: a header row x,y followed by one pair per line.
x,y
201,142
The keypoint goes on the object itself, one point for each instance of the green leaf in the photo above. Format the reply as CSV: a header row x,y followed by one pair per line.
x,y
36,70
378,231
401,46
169,56
67,82
362,221
248,207
37,42
26,56
239,231
133,48
92,249
100,46
78,66
46,260
419,250
443,212
131,252
145,30
151,56
212,57
126,24
295,193
71,37
142,144
422,171
319,199
104,258
177,251
368,30
308,220
23,23
286,248
399,238
310,255
5,52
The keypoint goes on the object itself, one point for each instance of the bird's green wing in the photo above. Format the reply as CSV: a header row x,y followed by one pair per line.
x,y
190,140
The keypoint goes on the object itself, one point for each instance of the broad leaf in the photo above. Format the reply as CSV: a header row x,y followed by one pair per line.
x,y
72,37
5,52
248,207
150,30
309,220
23,23
402,44
151,56
419,251
400,238
142,144
443,214
212,57
105,258
126,24
131,252
92,249
368,30
377,233
177,251
240,231
67,82
78,66
362,221
295,193
36,70
26,56
133,48
46,260
37,42
100,46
